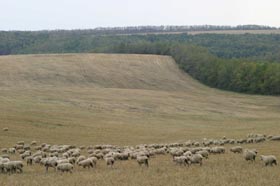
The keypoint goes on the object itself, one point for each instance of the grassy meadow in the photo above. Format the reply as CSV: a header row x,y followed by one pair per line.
x,y
89,99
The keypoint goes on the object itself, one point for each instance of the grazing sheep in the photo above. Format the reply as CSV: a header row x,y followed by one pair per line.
x,y
38,148
80,158
109,161
65,155
237,149
250,140
259,139
18,165
188,153
203,153
13,166
195,159
143,160
196,144
29,160
87,163
76,153
11,150
49,162
25,154
8,167
60,161
269,160
250,155
275,138
26,147
4,160
188,144
241,141
5,129
20,143
65,167
160,151
217,150
33,143
97,155
37,159
39,153
176,152
123,156
180,160
72,160
207,143
94,160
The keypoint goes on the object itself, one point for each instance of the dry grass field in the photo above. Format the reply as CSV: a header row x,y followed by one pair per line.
x,y
88,99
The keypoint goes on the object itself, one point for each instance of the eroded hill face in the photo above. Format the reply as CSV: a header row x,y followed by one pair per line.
x,y
92,70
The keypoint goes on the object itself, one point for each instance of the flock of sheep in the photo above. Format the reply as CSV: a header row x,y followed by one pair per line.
x,y
64,158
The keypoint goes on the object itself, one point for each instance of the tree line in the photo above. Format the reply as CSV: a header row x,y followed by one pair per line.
x,y
228,74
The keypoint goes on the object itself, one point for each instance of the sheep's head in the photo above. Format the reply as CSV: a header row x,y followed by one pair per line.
x,y
261,157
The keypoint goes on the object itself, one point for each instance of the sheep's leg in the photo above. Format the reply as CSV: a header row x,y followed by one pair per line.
x,y
20,170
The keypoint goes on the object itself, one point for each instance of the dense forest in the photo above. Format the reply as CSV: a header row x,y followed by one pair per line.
x,y
246,63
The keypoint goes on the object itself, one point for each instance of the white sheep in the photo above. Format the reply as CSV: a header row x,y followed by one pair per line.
x,y
195,159
180,160
249,155
33,143
269,160
80,158
94,160
72,160
188,153
29,160
275,138
203,153
49,162
65,167
87,163
237,149
217,150
11,150
143,160
13,166
109,161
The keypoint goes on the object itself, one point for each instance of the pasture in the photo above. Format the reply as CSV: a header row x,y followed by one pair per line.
x,y
90,99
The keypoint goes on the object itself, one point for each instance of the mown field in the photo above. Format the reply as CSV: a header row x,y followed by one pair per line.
x,y
88,99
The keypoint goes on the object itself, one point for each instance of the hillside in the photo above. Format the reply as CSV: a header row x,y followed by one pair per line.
x,y
92,71
120,99
89,99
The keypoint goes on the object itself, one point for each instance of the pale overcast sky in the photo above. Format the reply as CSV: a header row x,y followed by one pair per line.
x,y
79,14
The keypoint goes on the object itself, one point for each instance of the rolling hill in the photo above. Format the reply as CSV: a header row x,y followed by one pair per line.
x,y
88,99
120,99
